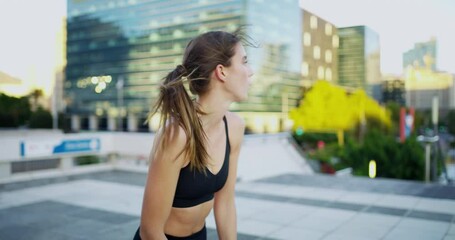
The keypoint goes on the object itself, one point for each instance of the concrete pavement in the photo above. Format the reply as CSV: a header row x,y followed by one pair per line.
x,y
106,205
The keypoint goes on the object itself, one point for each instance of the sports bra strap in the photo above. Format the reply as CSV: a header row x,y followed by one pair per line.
x,y
226,127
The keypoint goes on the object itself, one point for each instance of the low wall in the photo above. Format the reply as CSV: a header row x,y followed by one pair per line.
x,y
262,155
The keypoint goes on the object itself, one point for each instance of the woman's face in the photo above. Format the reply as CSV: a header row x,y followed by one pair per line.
x,y
239,74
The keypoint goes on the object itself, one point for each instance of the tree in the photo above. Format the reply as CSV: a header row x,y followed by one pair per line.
x,y
14,112
41,119
451,122
36,95
327,107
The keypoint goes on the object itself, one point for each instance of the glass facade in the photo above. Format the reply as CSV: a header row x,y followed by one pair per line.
x,y
422,55
393,91
119,50
276,61
359,58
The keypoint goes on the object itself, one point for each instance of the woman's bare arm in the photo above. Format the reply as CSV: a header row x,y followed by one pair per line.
x,y
224,208
161,183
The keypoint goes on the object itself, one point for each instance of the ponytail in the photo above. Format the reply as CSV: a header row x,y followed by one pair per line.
x,y
177,109
202,54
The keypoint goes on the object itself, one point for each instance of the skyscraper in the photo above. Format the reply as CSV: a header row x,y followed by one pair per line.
x,y
423,81
393,90
359,59
118,51
320,49
423,84
422,55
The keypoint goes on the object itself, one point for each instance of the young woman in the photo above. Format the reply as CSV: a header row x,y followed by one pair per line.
x,y
193,167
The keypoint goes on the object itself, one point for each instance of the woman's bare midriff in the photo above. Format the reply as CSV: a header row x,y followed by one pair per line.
x,y
183,222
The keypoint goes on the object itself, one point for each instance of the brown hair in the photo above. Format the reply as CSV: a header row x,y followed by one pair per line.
x,y
202,55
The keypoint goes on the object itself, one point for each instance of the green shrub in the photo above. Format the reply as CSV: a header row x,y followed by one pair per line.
x,y
86,160
40,119
14,112
313,138
393,159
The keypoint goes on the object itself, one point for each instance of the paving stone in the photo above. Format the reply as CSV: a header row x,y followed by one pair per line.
x,y
364,184
56,220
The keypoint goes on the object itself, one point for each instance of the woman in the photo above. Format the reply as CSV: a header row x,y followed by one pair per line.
x,y
193,165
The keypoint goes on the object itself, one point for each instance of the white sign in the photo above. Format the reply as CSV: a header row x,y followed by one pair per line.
x,y
49,148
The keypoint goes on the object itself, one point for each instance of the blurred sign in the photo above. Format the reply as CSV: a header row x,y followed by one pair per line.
x,y
406,123
372,169
49,148
435,110
299,131
321,144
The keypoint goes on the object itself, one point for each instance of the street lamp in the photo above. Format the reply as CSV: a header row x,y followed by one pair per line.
x,y
427,140
119,87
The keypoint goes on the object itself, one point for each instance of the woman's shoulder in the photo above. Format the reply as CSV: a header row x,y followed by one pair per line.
x,y
175,133
235,120
170,141
236,126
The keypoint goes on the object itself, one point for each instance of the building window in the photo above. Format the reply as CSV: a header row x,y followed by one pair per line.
x,y
153,76
154,37
335,41
320,72
177,47
92,9
328,56
93,45
232,27
328,74
317,52
203,15
328,29
313,22
305,69
202,29
307,39
111,42
154,49
178,33
153,24
178,19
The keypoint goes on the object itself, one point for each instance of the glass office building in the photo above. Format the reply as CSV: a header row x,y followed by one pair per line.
x,y
422,55
359,59
119,50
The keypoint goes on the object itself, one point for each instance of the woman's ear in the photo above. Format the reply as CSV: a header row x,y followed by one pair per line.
x,y
220,72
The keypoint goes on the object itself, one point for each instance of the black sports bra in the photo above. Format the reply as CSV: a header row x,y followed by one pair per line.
x,y
194,187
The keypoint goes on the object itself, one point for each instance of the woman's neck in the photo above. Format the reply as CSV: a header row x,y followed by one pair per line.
x,y
214,107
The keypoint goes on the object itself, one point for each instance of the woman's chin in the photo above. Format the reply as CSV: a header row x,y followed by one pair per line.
x,y
242,98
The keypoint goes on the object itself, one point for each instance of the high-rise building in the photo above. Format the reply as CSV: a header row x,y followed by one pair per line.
x,y
57,102
118,51
359,59
422,55
320,49
393,90
423,84
423,81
